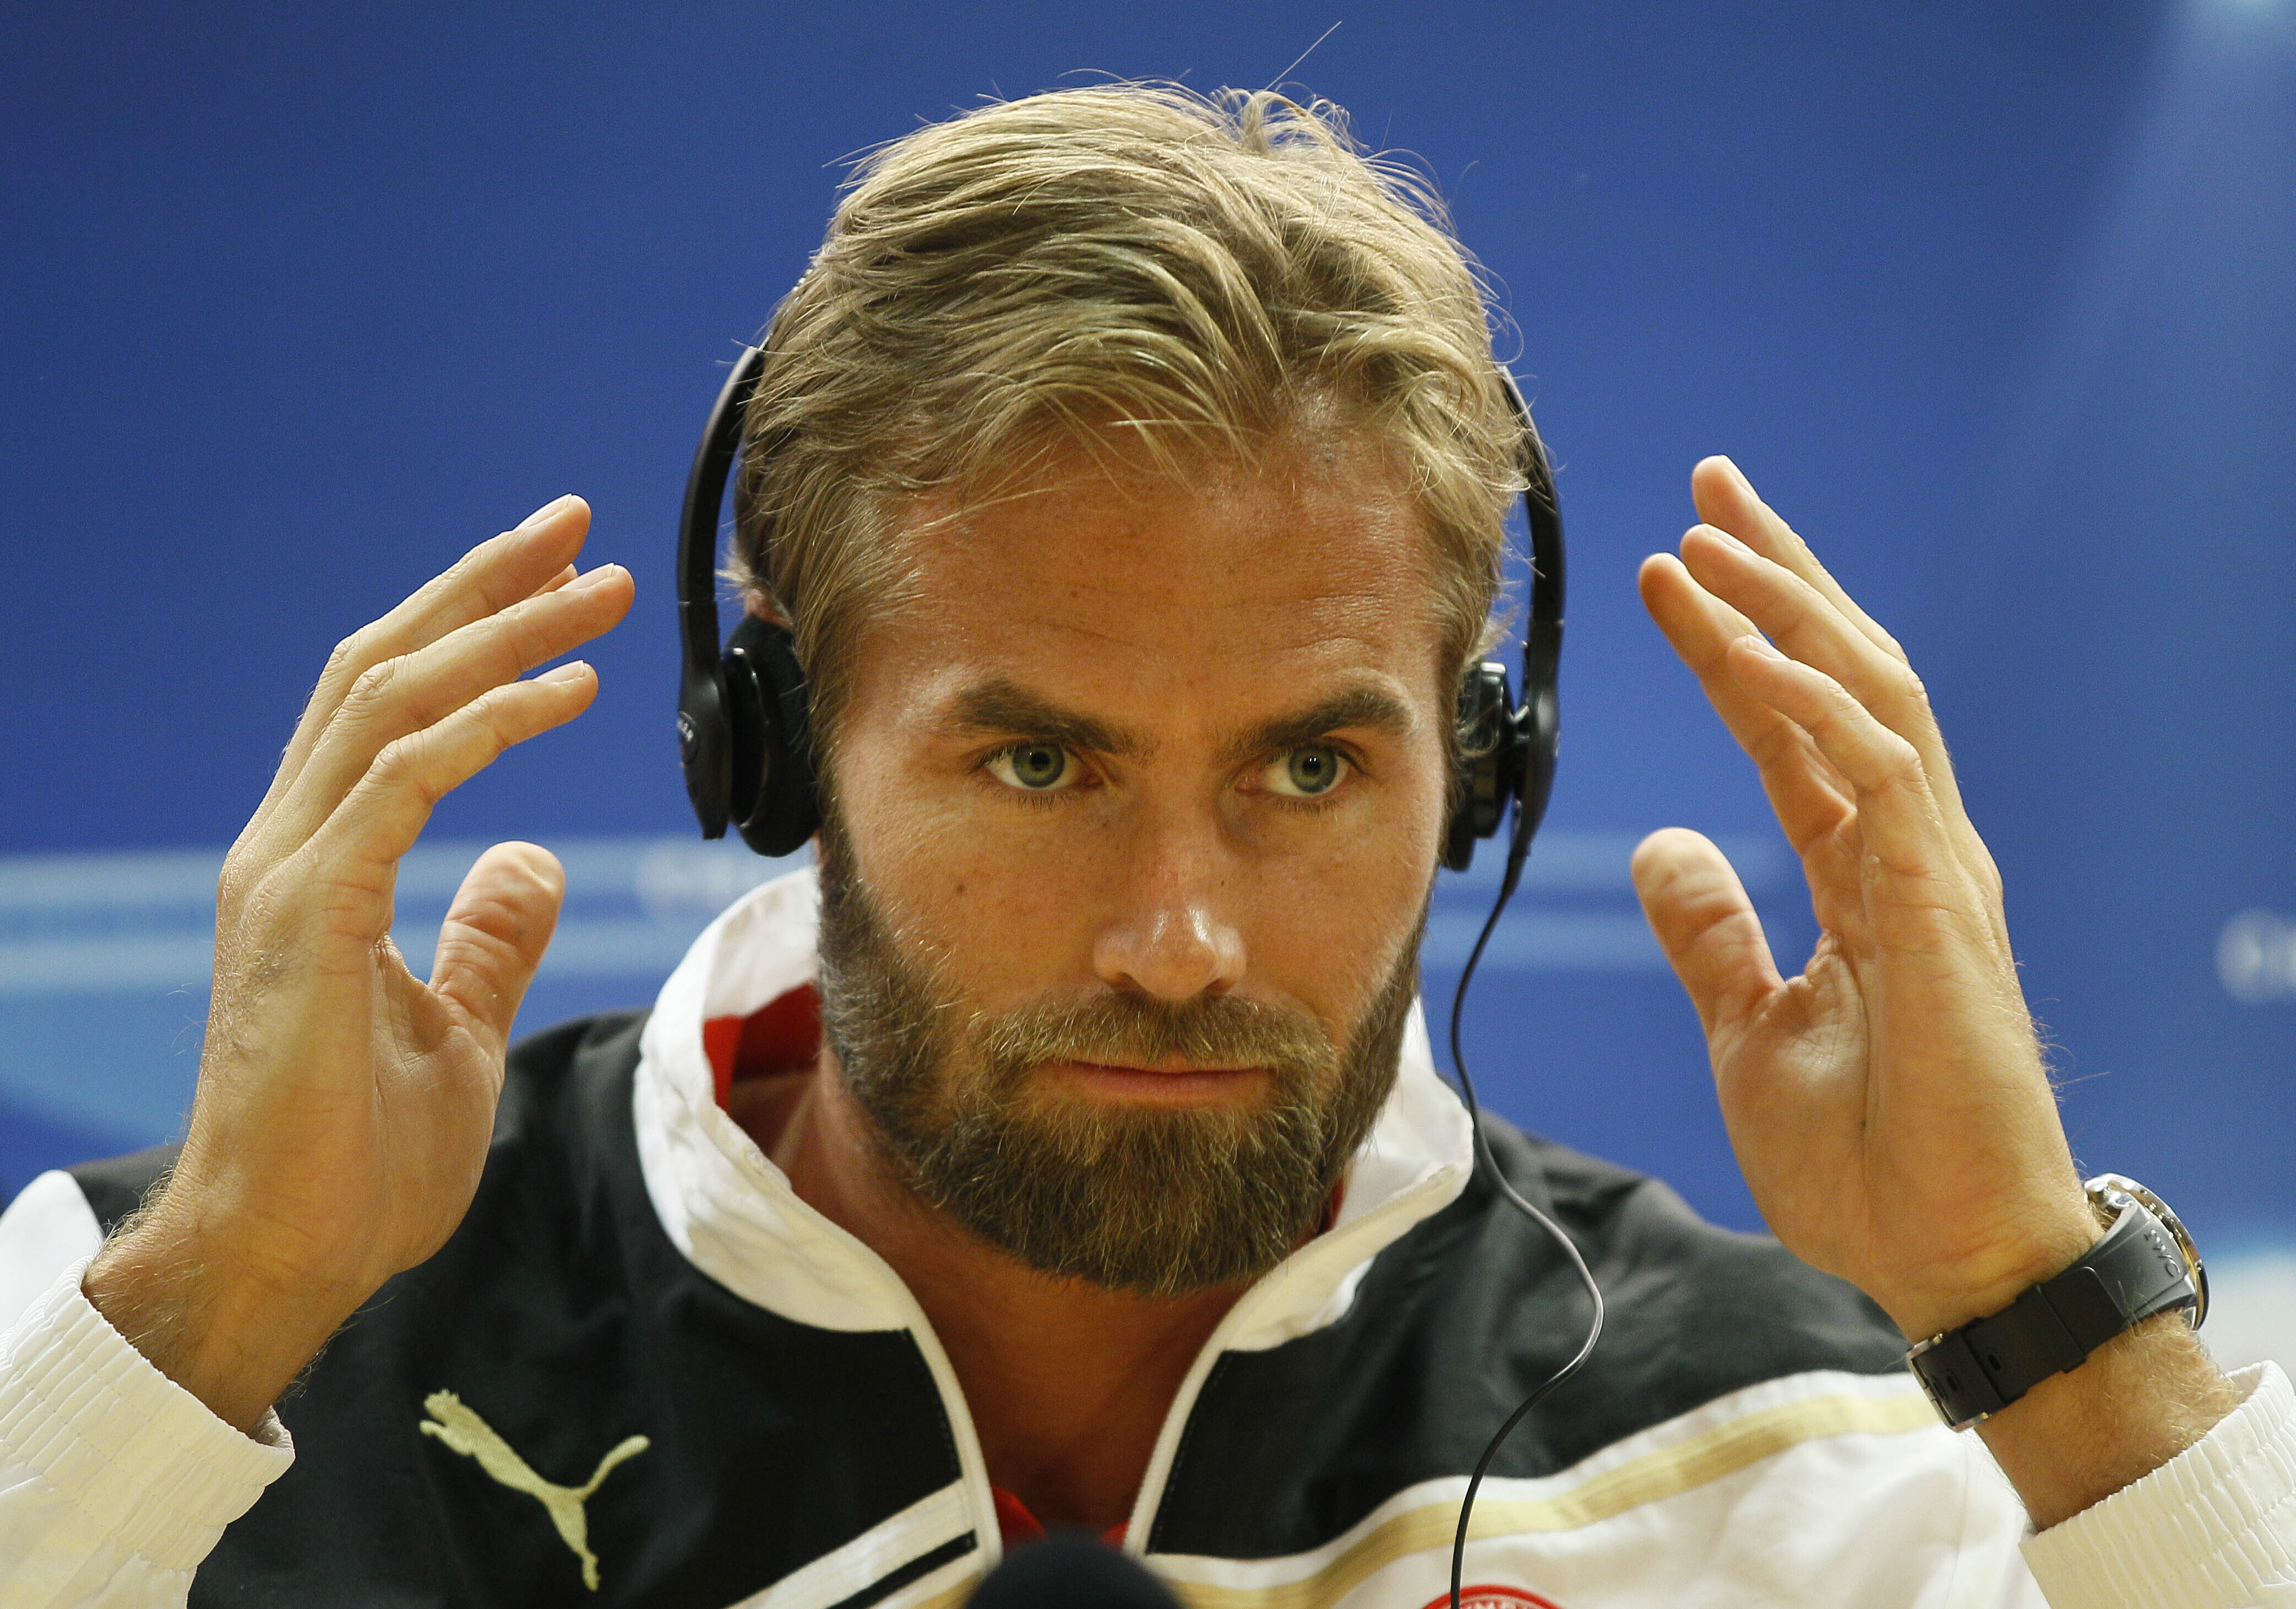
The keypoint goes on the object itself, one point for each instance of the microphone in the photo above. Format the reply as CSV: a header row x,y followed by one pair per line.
x,y
1070,1570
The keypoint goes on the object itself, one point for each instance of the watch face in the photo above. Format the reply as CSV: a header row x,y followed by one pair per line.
x,y
2109,1191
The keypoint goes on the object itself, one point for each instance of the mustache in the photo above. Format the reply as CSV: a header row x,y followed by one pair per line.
x,y
1133,1031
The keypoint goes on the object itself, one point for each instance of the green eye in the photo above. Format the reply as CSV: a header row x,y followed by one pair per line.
x,y
1304,772
1033,768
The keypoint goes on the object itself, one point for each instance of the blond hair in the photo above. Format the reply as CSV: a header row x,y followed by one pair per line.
x,y
1182,276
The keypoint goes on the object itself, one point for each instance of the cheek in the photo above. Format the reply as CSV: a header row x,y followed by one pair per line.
x,y
1330,931
1329,924
1003,895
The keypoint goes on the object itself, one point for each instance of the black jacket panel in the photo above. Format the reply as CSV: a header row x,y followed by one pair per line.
x,y
562,1315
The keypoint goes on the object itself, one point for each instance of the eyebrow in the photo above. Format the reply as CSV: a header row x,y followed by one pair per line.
x,y
1006,707
1352,709
1001,706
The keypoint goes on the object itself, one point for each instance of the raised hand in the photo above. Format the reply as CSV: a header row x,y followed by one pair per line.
x,y
1890,1106
344,1106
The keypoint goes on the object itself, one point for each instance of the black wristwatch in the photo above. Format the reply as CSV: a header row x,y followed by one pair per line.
x,y
2144,1264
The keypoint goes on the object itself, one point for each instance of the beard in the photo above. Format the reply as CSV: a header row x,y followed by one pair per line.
x,y
1155,1200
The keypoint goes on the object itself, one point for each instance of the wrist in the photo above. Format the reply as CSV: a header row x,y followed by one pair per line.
x,y
2086,1376
2141,1399
211,1314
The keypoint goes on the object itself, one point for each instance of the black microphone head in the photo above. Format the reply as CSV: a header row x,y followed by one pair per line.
x,y
1070,1570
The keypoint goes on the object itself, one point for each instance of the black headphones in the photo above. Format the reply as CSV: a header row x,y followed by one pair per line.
x,y
742,733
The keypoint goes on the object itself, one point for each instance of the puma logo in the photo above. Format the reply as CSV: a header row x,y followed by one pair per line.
x,y
464,1431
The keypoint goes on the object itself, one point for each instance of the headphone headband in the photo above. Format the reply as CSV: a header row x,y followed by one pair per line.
x,y
704,749
1542,632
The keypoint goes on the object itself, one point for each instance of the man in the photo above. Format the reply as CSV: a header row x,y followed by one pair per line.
x,y
1129,469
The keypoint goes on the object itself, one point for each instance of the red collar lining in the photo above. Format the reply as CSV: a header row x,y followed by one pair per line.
x,y
1019,1527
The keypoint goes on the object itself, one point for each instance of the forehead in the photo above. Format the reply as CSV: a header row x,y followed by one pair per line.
x,y
1310,563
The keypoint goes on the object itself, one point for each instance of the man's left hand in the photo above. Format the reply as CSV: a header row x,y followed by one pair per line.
x,y
1890,1106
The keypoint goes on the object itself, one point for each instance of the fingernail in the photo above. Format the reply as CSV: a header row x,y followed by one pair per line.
x,y
604,572
572,670
1761,645
546,510
1736,473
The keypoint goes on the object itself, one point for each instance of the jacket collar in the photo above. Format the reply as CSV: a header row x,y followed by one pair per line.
x,y
733,1213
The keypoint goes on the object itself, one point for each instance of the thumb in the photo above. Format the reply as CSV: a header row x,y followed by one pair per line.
x,y
1704,922
494,936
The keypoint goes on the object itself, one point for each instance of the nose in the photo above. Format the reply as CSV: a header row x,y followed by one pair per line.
x,y
1169,936
1174,953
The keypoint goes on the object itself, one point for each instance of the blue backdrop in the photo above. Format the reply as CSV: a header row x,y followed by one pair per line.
x,y
1999,303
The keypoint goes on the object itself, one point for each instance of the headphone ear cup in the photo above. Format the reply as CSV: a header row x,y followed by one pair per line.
x,y
1539,741
746,726
1477,776
775,803
1490,762
703,745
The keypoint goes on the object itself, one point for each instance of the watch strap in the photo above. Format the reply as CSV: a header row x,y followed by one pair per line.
x,y
2135,1270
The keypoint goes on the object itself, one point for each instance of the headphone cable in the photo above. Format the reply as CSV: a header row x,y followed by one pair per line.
x,y
1487,1163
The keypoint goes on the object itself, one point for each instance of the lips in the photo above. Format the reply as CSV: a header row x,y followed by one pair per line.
x,y
1165,1085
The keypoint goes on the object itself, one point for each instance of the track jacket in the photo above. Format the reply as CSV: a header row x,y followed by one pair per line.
x,y
643,1373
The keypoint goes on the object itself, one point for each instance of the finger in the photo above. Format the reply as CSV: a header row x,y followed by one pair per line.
x,y
406,695
1700,914
535,557
1727,500
1807,617
494,938
1901,832
1809,799
361,843
1799,619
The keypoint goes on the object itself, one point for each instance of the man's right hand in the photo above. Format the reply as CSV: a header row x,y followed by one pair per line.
x,y
344,1106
